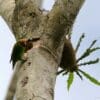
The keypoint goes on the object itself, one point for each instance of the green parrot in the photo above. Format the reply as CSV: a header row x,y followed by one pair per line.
x,y
21,47
17,52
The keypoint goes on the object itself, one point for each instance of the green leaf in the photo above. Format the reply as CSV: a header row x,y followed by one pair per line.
x,y
78,74
89,62
88,51
65,73
92,44
92,79
70,80
79,42
61,71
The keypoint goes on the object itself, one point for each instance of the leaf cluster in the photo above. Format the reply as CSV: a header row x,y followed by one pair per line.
x,y
69,70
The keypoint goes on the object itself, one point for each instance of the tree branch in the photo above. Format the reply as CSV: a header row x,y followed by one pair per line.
x,y
59,23
7,7
6,10
37,76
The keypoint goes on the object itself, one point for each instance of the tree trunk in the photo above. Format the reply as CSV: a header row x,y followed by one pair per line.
x,y
35,78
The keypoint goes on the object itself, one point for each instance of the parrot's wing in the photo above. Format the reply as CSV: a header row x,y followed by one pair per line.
x,y
13,52
17,53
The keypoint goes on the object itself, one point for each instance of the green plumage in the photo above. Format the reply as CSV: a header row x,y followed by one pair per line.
x,y
17,53
21,47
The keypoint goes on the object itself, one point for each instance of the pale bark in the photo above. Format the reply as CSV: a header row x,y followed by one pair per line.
x,y
7,7
6,10
37,76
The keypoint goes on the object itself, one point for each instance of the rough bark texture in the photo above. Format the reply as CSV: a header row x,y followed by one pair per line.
x,y
37,76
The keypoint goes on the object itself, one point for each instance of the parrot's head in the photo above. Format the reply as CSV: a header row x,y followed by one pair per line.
x,y
26,44
23,42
